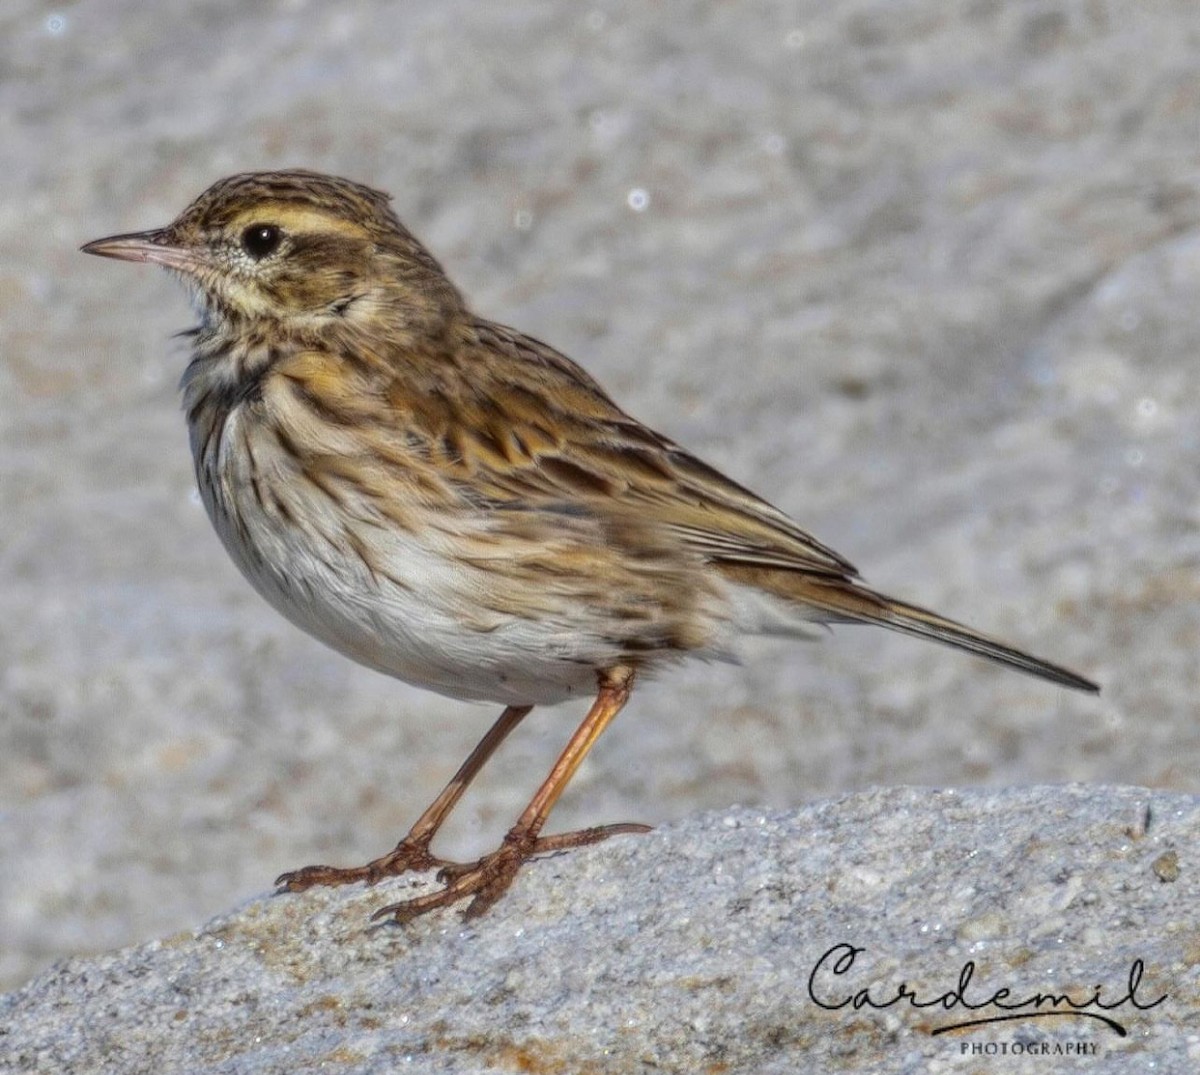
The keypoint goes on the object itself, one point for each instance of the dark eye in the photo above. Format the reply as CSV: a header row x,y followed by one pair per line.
x,y
259,240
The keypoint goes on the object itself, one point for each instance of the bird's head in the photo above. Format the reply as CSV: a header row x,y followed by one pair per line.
x,y
297,248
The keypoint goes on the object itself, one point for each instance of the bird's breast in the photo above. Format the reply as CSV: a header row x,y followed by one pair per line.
x,y
430,595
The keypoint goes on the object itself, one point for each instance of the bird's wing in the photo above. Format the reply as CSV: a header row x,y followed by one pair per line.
x,y
536,432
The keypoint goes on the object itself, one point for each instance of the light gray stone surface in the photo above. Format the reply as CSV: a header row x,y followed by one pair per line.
x,y
690,950
922,273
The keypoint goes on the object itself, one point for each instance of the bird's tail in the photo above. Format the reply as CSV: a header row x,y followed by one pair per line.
x,y
837,600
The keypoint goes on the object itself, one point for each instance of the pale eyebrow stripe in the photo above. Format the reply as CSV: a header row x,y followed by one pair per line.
x,y
297,219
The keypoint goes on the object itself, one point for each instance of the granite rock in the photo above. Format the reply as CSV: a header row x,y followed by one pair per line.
x,y
730,942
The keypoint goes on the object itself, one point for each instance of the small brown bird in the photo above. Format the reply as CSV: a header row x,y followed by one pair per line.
x,y
455,504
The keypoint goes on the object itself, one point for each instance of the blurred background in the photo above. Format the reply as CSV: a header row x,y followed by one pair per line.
x,y
921,273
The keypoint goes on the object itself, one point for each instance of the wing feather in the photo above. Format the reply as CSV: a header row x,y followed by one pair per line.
x,y
540,431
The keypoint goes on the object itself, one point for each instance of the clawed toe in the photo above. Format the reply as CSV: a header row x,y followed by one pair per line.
x,y
407,857
308,876
563,841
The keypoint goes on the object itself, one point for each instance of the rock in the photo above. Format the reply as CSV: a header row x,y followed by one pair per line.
x,y
712,945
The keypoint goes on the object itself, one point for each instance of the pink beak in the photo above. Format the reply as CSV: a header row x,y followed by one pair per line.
x,y
152,246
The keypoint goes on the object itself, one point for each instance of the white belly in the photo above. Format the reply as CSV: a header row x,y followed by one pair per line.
x,y
383,596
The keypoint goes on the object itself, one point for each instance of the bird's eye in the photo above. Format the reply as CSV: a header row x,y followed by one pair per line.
x,y
259,240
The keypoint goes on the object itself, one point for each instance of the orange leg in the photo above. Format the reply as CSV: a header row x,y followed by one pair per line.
x,y
487,880
412,853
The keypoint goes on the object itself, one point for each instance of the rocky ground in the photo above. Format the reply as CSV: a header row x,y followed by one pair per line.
x,y
732,942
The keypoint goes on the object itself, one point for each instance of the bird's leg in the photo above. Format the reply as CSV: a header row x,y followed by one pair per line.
x,y
486,880
412,853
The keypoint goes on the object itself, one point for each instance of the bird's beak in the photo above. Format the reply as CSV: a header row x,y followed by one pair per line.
x,y
152,246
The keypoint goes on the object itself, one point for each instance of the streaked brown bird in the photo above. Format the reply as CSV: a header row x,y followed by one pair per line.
x,y
450,502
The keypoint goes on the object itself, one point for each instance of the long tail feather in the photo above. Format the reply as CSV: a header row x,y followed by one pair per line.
x,y
920,622
844,601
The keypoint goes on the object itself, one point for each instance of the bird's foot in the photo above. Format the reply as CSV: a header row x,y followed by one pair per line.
x,y
407,856
487,879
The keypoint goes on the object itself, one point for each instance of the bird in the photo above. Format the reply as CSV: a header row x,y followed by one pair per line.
x,y
453,503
